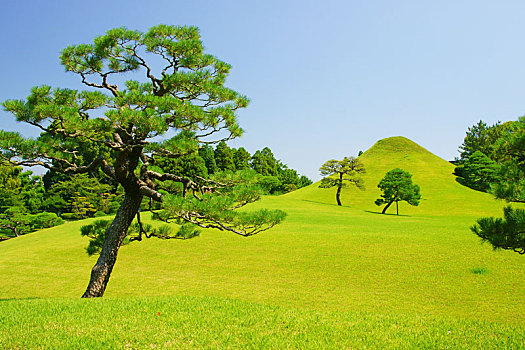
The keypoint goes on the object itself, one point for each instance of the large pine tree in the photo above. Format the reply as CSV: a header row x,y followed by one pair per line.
x,y
172,86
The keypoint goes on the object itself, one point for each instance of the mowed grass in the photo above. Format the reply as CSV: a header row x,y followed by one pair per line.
x,y
211,322
364,278
323,257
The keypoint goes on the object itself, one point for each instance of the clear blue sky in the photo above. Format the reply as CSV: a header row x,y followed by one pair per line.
x,y
326,79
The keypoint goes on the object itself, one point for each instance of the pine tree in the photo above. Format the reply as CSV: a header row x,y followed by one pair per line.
x,y
173,87
397,186
241,158
508,232
224,157
341,172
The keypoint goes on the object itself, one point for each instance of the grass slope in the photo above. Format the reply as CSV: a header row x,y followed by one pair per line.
x,y
346,266
441,193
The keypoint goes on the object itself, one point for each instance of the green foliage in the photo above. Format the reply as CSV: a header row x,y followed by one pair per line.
x,y
511,147
20,189
241,158
482,138
478,172
208,155
276,177
191,165
304,181
81,195
479,271
503,233
45,220
96,232
81,207
224,157
508,232
15,222
21,196
264,162
214,210
340,172
397,186
270,184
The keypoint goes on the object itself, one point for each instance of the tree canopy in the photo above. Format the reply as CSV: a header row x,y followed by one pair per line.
x,y
478,172
172,85
397,186
340,173
483,138
508,232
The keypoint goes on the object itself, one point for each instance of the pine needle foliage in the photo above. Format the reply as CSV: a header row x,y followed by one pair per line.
x,y
503,233
397,186
340,173
508,232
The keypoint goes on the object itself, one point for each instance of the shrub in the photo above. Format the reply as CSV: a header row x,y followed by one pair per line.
x,y
68,216
45,220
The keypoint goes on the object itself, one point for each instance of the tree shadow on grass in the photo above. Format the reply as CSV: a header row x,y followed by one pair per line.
x,y
386,214
11,299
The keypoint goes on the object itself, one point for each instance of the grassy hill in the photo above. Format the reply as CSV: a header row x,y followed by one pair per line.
x,y
328,277
441,193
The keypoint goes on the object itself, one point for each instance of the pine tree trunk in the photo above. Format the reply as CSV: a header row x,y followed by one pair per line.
x,y
339,186
114,236
385,208
397,207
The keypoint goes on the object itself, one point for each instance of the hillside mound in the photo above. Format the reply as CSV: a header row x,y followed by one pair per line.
x,y
441,193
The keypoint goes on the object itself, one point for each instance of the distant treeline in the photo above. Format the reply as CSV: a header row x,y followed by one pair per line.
x,y
29,203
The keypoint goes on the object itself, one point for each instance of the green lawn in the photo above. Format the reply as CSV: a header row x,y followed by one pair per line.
x,y
211,322
328,277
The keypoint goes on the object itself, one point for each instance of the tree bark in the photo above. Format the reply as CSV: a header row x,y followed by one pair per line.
x,y
385,208
114,236
339,186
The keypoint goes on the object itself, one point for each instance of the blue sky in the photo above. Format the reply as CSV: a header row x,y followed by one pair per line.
x,y
326,79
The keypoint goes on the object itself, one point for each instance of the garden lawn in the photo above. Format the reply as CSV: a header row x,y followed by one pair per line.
x,y
328,277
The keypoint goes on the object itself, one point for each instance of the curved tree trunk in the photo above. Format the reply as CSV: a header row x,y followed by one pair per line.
x,y
339,186
114,236
338,195
385,208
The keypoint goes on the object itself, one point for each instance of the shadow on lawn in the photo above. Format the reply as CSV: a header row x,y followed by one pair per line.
x,y
387,214
11,299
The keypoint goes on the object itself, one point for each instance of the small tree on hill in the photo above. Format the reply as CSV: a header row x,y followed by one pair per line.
x,y
181,90
339,173
397,186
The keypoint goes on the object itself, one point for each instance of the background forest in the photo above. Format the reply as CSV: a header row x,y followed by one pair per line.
x,y
29,202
